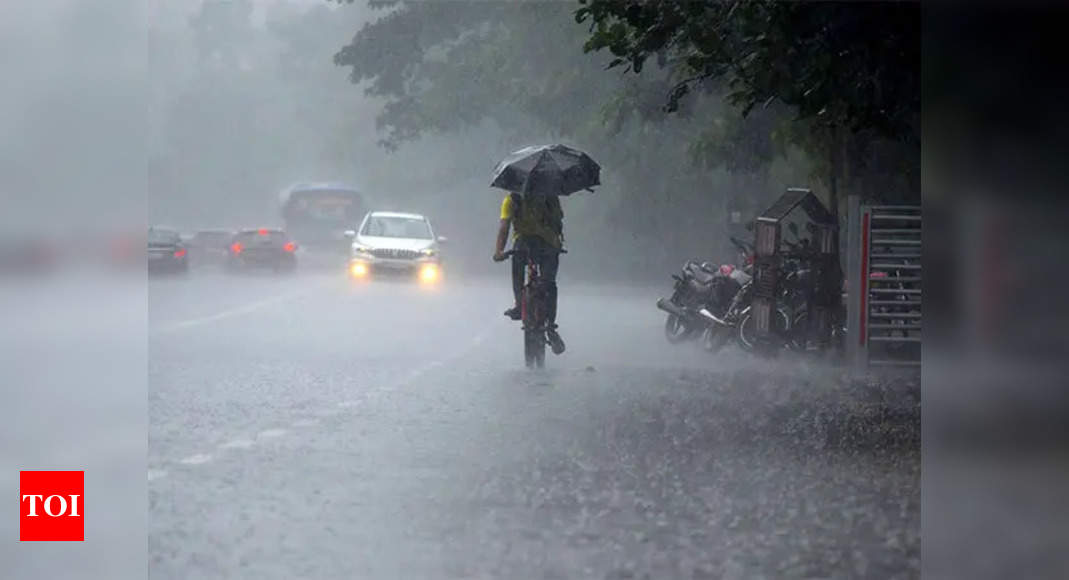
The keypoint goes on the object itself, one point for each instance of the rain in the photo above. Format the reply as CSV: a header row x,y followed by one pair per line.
x,y
464,289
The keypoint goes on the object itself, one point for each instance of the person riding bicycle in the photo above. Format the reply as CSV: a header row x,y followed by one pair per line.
x,y
537,224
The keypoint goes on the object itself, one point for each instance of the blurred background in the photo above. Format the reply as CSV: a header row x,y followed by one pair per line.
x,y
73,166
247,97
118,114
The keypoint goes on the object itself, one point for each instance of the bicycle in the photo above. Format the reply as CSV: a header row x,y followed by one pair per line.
x,y
533,311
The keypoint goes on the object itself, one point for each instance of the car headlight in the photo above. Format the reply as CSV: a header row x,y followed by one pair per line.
x,y
429,252
429,273
358,269
361,249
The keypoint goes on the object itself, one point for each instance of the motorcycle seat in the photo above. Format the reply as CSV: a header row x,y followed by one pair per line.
x,y
703,277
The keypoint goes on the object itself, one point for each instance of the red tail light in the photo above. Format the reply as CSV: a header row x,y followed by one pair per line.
x,y
236,247
289,247
262,232
180,252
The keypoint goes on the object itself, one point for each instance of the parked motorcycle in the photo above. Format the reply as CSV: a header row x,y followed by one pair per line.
x,y
694,288
738,324
735,322
701,293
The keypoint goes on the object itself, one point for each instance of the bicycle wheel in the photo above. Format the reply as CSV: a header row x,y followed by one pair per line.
x,y
747,329
534,332
536,350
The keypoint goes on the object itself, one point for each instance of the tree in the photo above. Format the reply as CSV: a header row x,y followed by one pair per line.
x,y
444,66
243,107
449,67
850,71
841,64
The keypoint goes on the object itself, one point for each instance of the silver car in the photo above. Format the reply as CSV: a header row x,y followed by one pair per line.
x,y
395,243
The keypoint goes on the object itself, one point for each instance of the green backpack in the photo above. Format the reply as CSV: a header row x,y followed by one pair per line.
x,y
538,212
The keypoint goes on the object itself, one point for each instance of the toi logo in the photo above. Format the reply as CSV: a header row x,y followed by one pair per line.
x,y
51,505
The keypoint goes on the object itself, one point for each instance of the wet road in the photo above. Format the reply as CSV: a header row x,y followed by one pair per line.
x,y
72,378
307,427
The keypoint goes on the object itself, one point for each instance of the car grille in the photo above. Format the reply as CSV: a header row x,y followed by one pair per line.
x,y
395,254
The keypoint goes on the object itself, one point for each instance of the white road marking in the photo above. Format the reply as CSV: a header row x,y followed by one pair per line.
x,y
247,308
325,412
238,444
477,340
198,459
221,315
480,338
271,433
201,458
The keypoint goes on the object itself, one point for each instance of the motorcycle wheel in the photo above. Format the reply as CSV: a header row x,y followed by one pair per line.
x,y
676,330
714,338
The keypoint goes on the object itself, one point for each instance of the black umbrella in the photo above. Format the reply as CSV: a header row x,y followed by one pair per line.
x,y
547,170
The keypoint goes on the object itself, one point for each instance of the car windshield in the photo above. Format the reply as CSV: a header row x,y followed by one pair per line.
x,y
261,238
324,207
211,238
397,227
163,236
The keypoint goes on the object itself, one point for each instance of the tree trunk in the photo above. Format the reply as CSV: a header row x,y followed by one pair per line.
x,y
835,151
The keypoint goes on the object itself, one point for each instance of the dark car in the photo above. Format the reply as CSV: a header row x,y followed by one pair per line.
x,y
210,247
25,254
262,248
166,252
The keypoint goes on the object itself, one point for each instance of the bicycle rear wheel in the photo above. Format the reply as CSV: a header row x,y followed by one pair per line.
x,y
535,350
534,332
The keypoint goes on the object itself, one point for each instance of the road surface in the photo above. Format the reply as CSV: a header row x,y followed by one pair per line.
x,y
309,427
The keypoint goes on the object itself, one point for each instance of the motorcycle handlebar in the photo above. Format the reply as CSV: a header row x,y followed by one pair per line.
x,y
740,244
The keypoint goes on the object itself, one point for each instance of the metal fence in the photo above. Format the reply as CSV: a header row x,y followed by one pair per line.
x,y
884,289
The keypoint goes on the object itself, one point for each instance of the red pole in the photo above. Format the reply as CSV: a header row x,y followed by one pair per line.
x,y
863,287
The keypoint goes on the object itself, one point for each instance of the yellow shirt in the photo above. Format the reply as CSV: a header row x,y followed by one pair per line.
x,y
535,219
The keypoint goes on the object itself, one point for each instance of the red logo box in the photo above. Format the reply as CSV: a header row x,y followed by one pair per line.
x,y
51,506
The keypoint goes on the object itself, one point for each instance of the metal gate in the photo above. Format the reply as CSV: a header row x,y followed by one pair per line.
x,y
883,286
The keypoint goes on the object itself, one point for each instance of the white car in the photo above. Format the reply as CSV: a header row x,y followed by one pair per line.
x,y
395,243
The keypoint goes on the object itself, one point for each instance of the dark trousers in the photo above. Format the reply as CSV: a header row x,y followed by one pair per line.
x,y
548,259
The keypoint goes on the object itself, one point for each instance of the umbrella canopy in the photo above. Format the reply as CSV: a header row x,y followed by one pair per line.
x,y
547,170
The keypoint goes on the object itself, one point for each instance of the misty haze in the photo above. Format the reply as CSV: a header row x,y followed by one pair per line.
x,y
343,381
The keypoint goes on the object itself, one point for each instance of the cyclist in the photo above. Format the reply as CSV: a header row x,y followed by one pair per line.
x,y
537,224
